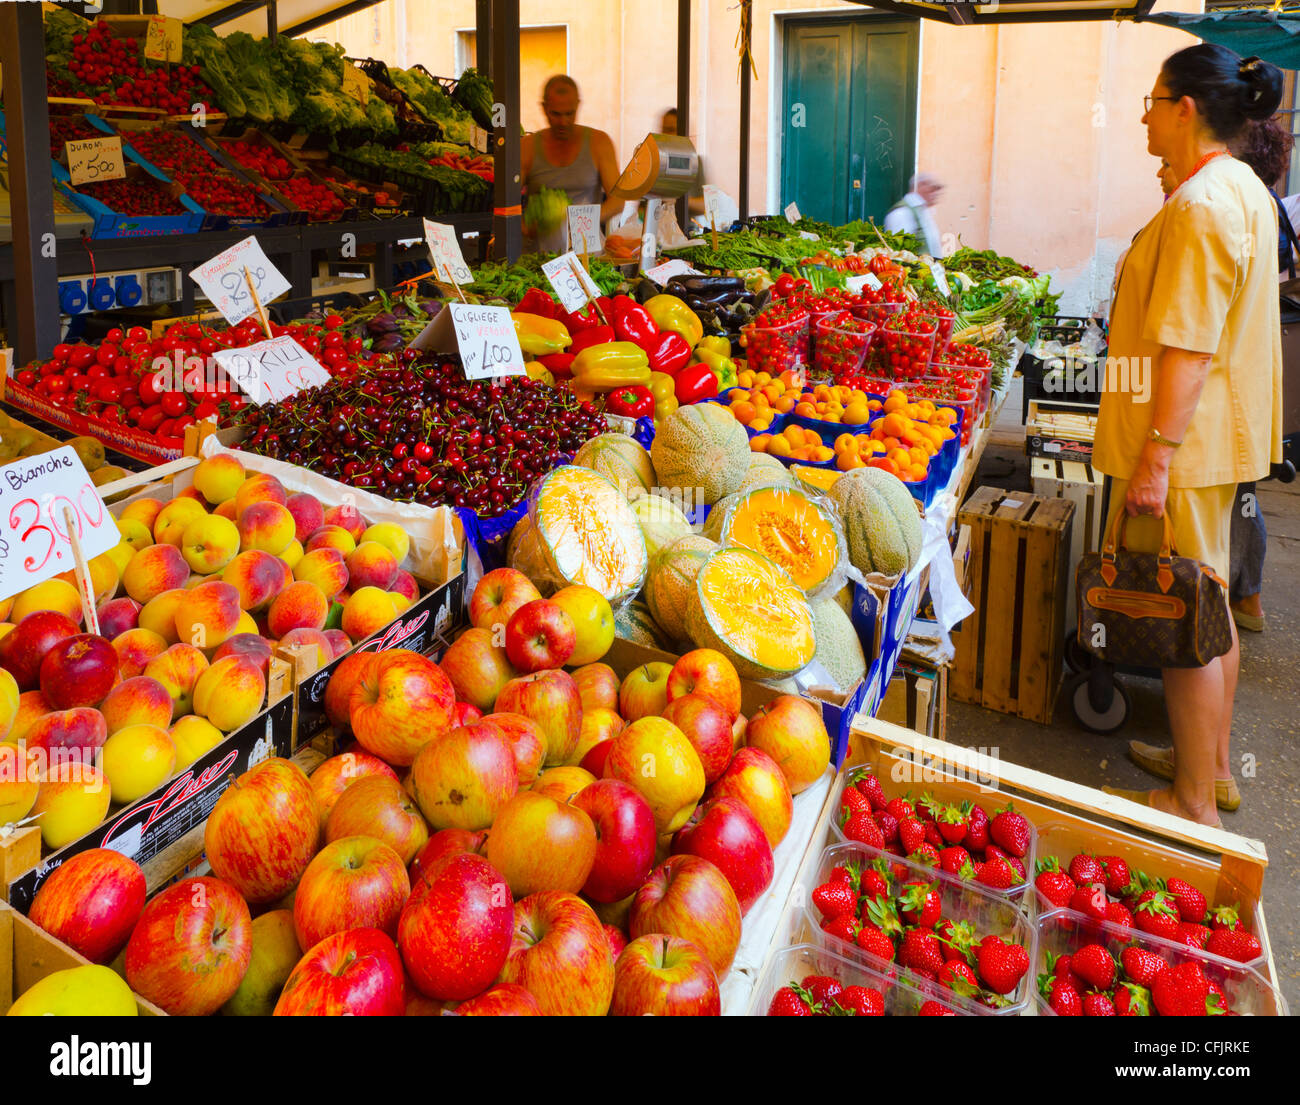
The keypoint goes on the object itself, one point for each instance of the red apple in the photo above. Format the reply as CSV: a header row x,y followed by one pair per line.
x,y
753,777
597,686
688,896
526,742
728,835
461,778
790,730
738,732
67,735
478,667
116,616
456,929
336,774
401,701
625,839
706,671
338,691
617,939
191,947
560,955
79,671
644,692
23,648
356,973
498,595
355,882
594,760
664,976
707,726
446,842
551,699
263,831
464,713
379,806
539,635
538,843
91,902
503,1000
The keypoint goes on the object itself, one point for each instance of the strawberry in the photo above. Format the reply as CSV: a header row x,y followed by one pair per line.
x,y
900,809
933,836
1132,1000
1181,991
1094,965
1140,965
876,943
874,883
1001,964
1090,899
1194,936
845,928
862,828
1060,967
1217,1003
1010,830
835,899
1117,874
1117,913
1225,917
925,853
955,860
998,874
977,829
928,807
888,825
958,938
791,1001
957,976
920,904
848,873
1157,915
1062,998
823,989
851,802
883,916
911,833
921,951
934,1009
1191,902
952,822
1239,945
1098,1005
862,1001
1017,865
1056,886
1085,868
867,784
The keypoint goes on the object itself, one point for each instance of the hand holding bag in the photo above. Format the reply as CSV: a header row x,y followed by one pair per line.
x,y
1156,610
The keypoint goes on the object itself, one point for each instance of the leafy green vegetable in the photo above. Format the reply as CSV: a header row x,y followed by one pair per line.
x,y
509,283
546,210
428,96
474,93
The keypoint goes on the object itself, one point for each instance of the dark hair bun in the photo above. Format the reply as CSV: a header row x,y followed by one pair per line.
x,y
1261,88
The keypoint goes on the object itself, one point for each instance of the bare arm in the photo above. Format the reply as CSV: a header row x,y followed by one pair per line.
x,y
1182,376
602,151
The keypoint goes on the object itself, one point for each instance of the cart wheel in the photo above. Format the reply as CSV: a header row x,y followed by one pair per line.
x,y
1077,658
1097,720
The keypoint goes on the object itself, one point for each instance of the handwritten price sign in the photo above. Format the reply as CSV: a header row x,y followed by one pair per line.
x,y
224,283
92,159
487,341
661,274
34,542
584,228
268,371
792,213
571,281
356,84
444,248
855,284
162,40
940,278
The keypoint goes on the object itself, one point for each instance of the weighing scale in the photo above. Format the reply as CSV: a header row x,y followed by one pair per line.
x,y
663,166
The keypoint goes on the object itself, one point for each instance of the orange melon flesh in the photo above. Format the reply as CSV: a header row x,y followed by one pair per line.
x,y
799,533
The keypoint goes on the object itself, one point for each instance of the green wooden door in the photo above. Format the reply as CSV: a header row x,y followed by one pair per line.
x,y
849,122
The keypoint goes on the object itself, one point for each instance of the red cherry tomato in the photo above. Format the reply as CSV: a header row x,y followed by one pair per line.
x,y
175,403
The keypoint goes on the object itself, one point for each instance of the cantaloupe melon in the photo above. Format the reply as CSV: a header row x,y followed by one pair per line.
x,y
881,523
838,649
712,528
701,446
587,532
635,623
670,582
818,479
752,612
621,460
662,522
764,476
798,531
766,460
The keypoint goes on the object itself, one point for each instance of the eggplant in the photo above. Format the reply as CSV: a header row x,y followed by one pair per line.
x,y
645,290
710,287
383,323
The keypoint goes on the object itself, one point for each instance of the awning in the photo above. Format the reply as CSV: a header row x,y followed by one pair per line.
x,y
292,16
1259,32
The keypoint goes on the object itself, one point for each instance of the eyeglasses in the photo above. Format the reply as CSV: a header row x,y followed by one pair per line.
x,y
1147,101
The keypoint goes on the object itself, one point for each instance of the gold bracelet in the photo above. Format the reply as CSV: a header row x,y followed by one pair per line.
x,y
1154,435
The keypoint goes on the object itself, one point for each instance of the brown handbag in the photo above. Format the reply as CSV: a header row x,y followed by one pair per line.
x,y
1154,610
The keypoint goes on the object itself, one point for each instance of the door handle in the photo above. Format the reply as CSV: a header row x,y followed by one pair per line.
x,y
857,184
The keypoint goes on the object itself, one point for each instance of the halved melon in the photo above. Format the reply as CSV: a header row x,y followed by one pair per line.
x,y
662,522
587,532
524,554
701,446
621,460
670,582
712,528
881,523
752,612
820,479
792,528
764,476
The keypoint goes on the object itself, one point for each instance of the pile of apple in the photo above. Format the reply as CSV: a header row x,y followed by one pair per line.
x,y
191,604
504,837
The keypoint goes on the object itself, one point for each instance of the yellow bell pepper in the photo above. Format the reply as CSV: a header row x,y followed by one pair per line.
x,y
715,343
663,388
665,407
671,313
539,371
614,364
539,335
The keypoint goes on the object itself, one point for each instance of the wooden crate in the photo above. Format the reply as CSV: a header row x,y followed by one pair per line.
x,y
1009,651
1060,431
1085,487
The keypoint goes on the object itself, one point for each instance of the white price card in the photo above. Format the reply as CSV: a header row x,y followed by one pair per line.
x,y
661,274
34,542
572,283
162,38
223,280
92,159
444,248
792,213
488,342
855,284
268,371
584,228
940,278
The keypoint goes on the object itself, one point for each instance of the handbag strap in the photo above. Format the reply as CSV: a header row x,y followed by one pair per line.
x,y
1115,540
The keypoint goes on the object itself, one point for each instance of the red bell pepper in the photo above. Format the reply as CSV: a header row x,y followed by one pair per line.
x,y
538,302
557,364
585,319
695,383
594,335
634,401
633,323
668,353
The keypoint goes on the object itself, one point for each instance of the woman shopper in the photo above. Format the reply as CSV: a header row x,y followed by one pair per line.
x,y
1196,322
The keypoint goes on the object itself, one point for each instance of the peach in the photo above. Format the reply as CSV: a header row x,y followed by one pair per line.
x,y
73,798
135,531
309,638
292,554
347,517
400,601
404,584
207,615
248,645
19,784
9,697
326,568
117,616
258,577
371,564
209,543
299,606
192,492
230,693
158,615
120,554
219,477
135,648
153,570
331,537
104,577
138,701
308,514
178,669
5,628
226,509
193,737
144,511
138,759
53,594
5,606
367,612
31,705
258,488
391,536
246,624
339,641
265,526
69,734
169,526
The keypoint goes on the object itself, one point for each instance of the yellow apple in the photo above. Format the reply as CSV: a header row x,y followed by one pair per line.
x,y
73,799
593,622
89,991
275,954
654,757
391,536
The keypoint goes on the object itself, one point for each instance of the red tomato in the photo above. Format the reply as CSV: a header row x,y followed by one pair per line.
x,y
174,403
27,378
106,353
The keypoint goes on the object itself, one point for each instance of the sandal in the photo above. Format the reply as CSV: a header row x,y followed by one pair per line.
x,y
1160,762
1143,798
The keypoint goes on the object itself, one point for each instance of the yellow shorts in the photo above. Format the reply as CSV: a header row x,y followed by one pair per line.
x,y
1201,518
